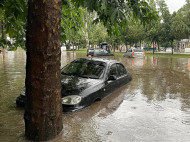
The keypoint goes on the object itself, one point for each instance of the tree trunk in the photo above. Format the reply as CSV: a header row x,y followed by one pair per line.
x,y
158,46
172,47
43,110
114,47
68,45
153,47
4,37
2,31
86,36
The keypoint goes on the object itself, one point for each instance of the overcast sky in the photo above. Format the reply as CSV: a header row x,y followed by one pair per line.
x,y
174,5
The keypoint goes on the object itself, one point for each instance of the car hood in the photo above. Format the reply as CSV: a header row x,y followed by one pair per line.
x,y
73,85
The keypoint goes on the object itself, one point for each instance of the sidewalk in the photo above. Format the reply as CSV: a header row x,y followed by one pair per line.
x,y
163,52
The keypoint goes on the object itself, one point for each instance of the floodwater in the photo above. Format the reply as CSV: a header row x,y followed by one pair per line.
x,y
153,107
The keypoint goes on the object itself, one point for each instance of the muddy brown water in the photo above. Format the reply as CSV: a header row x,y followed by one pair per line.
x,y
155,106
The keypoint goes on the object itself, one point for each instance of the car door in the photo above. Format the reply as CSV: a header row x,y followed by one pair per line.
x,y
122,75
111,85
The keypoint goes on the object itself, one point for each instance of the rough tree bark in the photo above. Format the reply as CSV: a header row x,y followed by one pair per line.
x,y
43,110
172,47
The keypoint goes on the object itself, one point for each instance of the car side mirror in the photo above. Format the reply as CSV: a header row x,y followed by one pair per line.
x,y
112,77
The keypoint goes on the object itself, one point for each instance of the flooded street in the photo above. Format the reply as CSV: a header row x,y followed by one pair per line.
x,y
153,107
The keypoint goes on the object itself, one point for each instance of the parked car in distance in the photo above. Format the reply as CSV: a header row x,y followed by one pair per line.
x,y
83,81
162,48
169,49
135,53
105,46
98,52
90,52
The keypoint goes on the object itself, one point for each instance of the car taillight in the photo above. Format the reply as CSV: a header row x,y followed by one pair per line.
x,y
132,54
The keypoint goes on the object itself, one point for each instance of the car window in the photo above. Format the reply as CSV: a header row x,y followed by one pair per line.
x,y
113,70
97,51
100,51
105,51
91,51
87,69
121,70
137,50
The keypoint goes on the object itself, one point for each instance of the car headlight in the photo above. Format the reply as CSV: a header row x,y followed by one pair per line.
x,y
71,100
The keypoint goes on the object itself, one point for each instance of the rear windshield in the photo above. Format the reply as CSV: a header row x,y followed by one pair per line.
x,y
85,68
138,50
101,51
90,51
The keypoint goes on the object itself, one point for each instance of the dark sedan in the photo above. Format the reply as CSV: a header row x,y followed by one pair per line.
x,y
86,80
98,52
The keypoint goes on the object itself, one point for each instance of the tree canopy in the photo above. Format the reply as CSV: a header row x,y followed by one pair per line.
x,y
113,14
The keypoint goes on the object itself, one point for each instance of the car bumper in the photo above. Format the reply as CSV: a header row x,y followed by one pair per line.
x,y
20,102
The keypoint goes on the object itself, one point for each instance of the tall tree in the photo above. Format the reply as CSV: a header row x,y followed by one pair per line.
x,y
152,29
179,29
43,111
165,27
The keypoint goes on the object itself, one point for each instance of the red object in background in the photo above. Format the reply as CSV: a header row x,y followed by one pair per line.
x,y
132,54
132,61
90,54
155,45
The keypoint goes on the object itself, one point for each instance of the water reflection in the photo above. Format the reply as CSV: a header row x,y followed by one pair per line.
x,y
138,62
189,64
155,106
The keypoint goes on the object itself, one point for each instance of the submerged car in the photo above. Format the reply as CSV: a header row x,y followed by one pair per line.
x,y
98,52
135,53
83,81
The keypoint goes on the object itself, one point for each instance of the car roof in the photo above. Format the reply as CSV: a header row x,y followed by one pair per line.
x,y
108,61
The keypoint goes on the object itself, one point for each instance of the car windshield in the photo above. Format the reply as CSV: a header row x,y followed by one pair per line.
x,y
138,50
85,68
91,51
101,51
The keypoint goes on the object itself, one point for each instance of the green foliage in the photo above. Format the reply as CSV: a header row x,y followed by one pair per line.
x,y
114,13
71,20
13,14
185,14
179,29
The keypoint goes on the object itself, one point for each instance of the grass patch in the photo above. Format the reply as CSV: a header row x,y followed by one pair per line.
x,y
117,53
168,55
78,51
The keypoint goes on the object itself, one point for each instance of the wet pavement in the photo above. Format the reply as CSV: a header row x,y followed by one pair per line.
x,y
154,106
